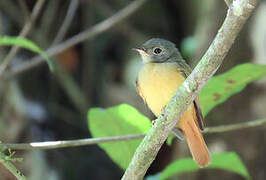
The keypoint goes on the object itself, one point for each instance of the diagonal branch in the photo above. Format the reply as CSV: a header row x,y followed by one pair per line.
x,y
24,32
73,6
237,14
85,35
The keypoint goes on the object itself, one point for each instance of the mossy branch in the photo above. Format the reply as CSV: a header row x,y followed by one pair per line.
x,y
6,160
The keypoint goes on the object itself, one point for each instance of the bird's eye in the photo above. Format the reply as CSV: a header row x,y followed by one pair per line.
x,y
157,51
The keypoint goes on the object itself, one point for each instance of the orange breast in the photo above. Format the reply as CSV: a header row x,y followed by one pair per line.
x,y
158,83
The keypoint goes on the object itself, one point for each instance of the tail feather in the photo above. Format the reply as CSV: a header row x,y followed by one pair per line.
x,y
196,143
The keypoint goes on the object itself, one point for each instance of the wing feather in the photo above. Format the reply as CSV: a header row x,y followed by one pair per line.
x,y
185,69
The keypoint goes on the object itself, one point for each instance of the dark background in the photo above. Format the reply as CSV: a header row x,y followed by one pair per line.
x,y
37,105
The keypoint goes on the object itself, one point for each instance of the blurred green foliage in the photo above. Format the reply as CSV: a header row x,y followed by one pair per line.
x,y
124,119
188,46
27,44
229,161
116,121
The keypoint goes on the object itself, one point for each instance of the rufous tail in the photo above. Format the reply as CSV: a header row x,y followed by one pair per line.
x,y
196,143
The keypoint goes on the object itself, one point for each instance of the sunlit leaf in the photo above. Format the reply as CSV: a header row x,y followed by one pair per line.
x,y
24,43
229,161
115,121
220,88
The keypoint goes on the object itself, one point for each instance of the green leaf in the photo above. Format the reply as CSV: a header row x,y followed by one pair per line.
x,y
116,121
221,87
27,44
229,161
170,139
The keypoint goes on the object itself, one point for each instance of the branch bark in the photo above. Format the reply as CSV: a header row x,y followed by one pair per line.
x,y
237,14
92,141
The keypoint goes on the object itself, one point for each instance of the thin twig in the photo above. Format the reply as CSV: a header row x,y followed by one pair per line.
x,y
34,15
126,28
234,127
92,141
71,88
46,24
146,152
25,8
24,32
85,35
70,143
11,167
73,6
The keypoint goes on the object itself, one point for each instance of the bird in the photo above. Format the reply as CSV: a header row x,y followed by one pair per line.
x,y
162,72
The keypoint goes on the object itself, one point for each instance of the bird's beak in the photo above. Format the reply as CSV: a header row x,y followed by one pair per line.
x,y
143,52
140,49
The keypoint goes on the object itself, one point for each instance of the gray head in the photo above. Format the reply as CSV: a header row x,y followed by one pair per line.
x,y
159,51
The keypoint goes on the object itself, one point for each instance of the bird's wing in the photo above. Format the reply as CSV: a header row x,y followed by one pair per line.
x,y
199,113
185,69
